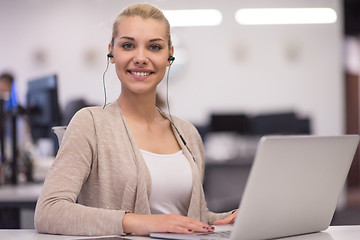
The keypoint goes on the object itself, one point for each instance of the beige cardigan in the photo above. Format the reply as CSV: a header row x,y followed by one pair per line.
x,y
100,165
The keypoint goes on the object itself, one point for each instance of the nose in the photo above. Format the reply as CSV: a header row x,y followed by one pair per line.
x,y
140,58
140,61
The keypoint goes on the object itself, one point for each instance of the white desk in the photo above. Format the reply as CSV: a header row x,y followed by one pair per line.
x,y
332,233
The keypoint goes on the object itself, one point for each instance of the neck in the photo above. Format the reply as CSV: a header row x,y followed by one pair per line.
x,y
139,108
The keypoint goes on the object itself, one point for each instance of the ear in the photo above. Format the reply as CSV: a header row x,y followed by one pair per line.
x,y
110,51
171,53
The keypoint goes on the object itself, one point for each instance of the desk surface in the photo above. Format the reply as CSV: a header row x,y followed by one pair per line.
x,y
332,233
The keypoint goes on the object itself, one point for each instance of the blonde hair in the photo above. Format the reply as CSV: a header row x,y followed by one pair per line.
x,y
146,11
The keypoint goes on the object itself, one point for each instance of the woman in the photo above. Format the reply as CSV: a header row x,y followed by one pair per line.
x,y
126,163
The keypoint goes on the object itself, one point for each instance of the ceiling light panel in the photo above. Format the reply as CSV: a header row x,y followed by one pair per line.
x,y
274,16
193,17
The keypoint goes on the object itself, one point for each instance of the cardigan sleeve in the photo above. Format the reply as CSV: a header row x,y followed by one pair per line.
x,y
57,211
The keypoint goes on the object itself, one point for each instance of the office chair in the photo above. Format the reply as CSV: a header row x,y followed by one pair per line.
x,y
59,132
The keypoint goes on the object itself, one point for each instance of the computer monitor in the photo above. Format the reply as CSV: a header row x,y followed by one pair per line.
x,y
43,106
230,122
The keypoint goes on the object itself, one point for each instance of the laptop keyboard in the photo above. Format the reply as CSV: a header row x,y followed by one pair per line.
x,y
220,234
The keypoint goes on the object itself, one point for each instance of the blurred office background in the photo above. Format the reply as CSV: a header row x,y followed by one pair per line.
x,y
308,73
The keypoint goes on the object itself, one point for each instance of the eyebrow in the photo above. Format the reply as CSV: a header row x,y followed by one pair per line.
x,y
128,38
151,40
156,39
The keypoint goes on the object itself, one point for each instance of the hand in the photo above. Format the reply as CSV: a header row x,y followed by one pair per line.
x,y
228,220
174,223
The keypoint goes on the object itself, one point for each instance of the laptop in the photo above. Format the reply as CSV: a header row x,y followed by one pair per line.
x,y
293,188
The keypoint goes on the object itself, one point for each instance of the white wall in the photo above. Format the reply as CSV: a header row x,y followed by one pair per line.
x,y
229,67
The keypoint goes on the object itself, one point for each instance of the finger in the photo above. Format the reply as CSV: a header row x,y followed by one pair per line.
x,y
227,220
197,226
220,222
233,216
177,223
203,229
180,229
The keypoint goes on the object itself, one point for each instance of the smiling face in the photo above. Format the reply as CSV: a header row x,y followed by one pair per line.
x,y
140,53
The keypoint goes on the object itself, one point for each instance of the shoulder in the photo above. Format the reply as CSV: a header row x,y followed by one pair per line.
x,y
184,126
187,129
97,113
95,120
93,124
179,123
183,123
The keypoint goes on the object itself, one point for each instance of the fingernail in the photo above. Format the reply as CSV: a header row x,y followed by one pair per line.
x,y
206,228
190,230
212,227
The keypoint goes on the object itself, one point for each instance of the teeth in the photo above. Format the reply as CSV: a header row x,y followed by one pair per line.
x,y
141,73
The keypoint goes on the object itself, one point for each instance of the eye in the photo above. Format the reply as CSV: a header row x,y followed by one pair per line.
x,y
127,46
155,47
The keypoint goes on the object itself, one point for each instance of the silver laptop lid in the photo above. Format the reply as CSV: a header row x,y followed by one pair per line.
x,y
294,185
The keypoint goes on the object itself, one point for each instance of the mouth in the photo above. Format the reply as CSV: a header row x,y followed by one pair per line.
x,y
140,73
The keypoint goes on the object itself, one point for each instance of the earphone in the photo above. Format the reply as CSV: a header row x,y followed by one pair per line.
x,y
171,59
108,56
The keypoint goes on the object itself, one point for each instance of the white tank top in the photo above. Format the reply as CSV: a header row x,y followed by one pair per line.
x,y
171,182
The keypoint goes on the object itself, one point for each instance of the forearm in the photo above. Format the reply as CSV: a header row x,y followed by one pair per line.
x,y
62,217
145,224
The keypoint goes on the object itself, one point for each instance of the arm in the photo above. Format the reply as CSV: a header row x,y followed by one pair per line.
x,y
76,164
57,211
